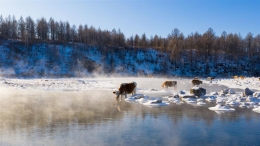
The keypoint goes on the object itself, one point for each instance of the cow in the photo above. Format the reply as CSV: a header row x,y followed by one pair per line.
x,y
126,88
210,78
196,82
235,77
167,84
242,77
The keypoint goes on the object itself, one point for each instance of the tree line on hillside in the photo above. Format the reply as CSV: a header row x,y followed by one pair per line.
x,y
206,46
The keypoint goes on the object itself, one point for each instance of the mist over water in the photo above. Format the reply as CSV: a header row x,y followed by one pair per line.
x,y
92,117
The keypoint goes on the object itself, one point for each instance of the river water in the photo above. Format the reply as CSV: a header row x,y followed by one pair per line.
x,y
92,117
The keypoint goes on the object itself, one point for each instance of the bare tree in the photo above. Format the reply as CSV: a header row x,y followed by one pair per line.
x,y
190,46
73,33
143,41
67,38
251,51
42,29
7,27
107,40
1,26
93,35
209,40
21,28
130,41
136,40
62,31
121,38
161,44
248,44
57,31
174,45
114,37
52,29
80,34
14,27
256,46
30,27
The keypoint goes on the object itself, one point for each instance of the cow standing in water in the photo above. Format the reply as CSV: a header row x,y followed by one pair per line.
x,y
167,84
124,89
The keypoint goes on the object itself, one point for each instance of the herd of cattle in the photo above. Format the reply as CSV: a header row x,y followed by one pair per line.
x,y
239,77
130,88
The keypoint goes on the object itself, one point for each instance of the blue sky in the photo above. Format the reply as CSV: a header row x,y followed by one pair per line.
x,y
145,16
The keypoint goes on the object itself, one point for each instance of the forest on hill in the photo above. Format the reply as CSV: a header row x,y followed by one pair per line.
x,y
176,54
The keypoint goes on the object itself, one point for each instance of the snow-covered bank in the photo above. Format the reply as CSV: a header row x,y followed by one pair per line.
x,y
82,60
149,84
149,90
248,82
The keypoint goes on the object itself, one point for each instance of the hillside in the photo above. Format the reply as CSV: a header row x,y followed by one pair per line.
x,y
43,59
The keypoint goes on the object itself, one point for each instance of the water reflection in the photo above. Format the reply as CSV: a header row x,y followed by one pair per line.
x,y
40,109
93,117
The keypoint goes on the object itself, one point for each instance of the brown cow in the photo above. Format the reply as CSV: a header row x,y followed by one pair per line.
x,y
196,82
167,84
242,77
126,88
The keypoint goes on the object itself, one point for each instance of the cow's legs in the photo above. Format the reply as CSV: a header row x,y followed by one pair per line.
x,y
125,95
120,98
163,86
117,98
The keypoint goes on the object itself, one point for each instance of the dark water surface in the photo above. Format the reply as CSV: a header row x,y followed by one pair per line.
x,y
93,118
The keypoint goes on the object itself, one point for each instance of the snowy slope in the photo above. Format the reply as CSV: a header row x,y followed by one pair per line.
x,y
18,59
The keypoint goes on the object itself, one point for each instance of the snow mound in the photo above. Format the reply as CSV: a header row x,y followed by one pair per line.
x,y
135,97
211,99
156,103
190,100
232,103
219,107
200,102
256,109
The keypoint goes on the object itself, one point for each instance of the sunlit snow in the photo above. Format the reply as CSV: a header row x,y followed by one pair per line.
x,y
224,100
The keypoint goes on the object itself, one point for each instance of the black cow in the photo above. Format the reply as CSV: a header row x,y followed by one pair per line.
x,y
126,88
